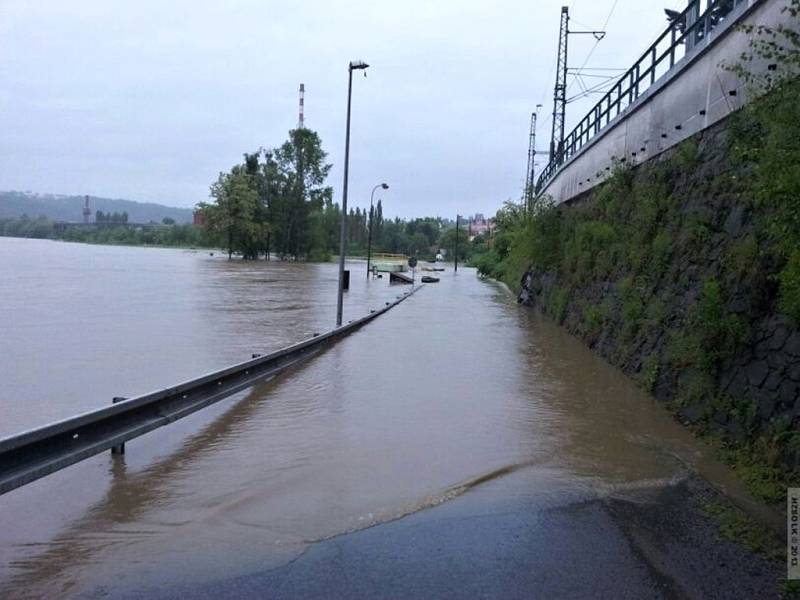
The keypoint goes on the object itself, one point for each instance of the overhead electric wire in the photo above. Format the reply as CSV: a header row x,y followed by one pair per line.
x,y
597,42
576,72
545,122
598,88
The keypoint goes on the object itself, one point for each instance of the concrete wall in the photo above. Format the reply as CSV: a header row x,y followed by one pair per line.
x,y
696,93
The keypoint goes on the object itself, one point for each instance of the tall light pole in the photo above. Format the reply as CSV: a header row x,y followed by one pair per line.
x,y
353,66
384,186
458,226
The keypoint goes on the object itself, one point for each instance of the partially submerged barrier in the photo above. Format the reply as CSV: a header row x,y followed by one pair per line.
x,y
30,455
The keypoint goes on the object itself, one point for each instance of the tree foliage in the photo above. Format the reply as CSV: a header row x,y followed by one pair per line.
x,y
273,202
277,203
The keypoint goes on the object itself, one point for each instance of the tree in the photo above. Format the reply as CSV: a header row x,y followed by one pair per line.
x,y
448,242
418,245
280,203
301,173
233,214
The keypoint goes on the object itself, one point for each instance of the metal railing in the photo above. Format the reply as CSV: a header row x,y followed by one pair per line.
x,y
686,30
33,454
387,257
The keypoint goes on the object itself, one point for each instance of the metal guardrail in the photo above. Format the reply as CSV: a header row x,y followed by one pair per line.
x,y
33,454
686,30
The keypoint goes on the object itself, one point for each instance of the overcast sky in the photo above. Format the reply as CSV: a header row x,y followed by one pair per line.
x,y
150,100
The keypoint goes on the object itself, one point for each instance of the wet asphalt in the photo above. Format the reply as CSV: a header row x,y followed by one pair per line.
x,y
653,543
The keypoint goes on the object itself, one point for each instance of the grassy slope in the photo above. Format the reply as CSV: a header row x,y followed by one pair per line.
x,y
669,269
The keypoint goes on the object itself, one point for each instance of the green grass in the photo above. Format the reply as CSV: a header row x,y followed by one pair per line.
x,y
735,526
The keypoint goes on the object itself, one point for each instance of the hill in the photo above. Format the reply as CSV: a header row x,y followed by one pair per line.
x,y
70,208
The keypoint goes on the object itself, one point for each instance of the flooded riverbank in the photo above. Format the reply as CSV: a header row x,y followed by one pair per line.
x,y
453,389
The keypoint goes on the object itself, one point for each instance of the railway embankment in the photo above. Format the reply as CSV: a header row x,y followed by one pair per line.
x,y
685,273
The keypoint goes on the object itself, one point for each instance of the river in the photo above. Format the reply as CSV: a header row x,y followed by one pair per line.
x,y
450,391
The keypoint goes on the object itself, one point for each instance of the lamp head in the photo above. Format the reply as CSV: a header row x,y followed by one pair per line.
x,y
385,186
358,64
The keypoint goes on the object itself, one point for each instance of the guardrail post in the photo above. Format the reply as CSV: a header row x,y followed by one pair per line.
x,y
119,449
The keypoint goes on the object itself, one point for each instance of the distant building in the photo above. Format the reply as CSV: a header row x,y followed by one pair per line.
x,y
198,219
478,225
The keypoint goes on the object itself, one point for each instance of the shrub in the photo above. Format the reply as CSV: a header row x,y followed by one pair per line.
x,y
555,303
789,279
594,319
710,335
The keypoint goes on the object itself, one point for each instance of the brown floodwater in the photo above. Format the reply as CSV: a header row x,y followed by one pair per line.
x,y
449,391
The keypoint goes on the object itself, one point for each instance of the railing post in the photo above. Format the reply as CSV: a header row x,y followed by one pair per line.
x,y
120,448
653,66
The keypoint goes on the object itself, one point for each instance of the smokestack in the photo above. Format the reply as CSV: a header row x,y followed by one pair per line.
x,y
300,120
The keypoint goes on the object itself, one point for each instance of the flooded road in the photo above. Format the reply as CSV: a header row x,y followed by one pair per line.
x,y
457,392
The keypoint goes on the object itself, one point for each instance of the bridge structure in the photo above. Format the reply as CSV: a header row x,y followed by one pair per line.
x,y
33,454
682,84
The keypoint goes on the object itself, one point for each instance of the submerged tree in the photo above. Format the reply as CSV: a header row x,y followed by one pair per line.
x,y
232,216
275,202
301,171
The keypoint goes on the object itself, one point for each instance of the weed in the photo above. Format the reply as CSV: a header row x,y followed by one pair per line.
x,y
789,278
651,368
686,155
736,526
556,303
595,318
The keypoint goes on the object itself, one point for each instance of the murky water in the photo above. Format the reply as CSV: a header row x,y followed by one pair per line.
x,y
452,389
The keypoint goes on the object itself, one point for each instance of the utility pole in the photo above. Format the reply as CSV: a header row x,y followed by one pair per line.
x,y
529,168
560,92
456,252
530,174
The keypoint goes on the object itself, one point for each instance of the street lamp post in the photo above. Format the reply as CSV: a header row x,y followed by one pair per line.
x,y
353,66
458,226
369,235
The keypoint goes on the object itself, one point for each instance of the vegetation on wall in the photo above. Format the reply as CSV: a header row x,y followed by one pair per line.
x,y
667,268
767,144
